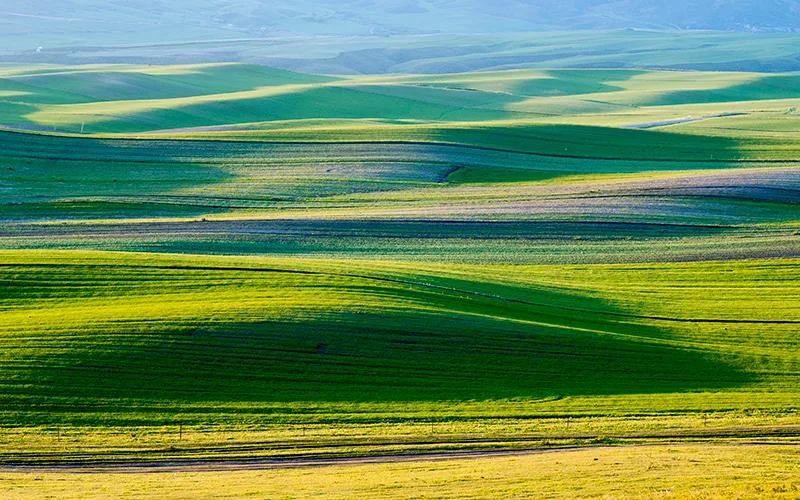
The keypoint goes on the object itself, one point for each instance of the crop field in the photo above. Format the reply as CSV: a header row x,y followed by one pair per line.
x,y
231,264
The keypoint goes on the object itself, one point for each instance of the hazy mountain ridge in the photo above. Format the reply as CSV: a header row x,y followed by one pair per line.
x,y
140,21
428,36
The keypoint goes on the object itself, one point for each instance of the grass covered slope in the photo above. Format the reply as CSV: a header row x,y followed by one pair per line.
x,y
232,98
283,265
256,344
390,200
323,331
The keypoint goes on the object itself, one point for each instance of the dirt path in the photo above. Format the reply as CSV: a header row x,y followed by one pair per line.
x,y
678,121
183,466
266,464
206,128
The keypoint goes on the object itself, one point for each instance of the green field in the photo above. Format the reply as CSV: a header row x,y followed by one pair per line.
x,y
226,262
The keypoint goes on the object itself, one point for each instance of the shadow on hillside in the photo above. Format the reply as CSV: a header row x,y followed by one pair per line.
x,y
455,340
763,88
28,93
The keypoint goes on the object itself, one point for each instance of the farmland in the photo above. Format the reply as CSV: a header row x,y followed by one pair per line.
x,y
650,472
232,262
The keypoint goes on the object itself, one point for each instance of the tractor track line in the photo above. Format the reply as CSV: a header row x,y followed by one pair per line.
x,y
414,143
412,283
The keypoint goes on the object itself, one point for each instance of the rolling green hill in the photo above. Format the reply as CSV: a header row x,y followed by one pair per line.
x,y
507,110
235,262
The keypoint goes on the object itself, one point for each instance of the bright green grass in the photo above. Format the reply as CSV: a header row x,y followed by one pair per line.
x,y
128,99
401,263
236,342
113,83
278,311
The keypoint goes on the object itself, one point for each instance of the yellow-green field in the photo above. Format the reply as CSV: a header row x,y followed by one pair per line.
x,y
676,471
234,263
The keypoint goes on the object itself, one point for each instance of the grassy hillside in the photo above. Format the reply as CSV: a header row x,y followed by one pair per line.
x,y
234,262
591,114
247,343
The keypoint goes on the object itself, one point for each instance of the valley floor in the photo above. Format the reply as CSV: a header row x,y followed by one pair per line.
x,y
752,470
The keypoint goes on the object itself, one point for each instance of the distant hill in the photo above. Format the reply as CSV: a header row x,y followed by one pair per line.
x,y
375,36
147,21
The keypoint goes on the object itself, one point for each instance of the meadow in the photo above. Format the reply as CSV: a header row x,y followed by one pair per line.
x,y
231,262
684,471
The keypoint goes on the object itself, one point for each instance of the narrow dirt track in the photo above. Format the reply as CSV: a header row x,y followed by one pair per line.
x,y
678,121
267,464
189,466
